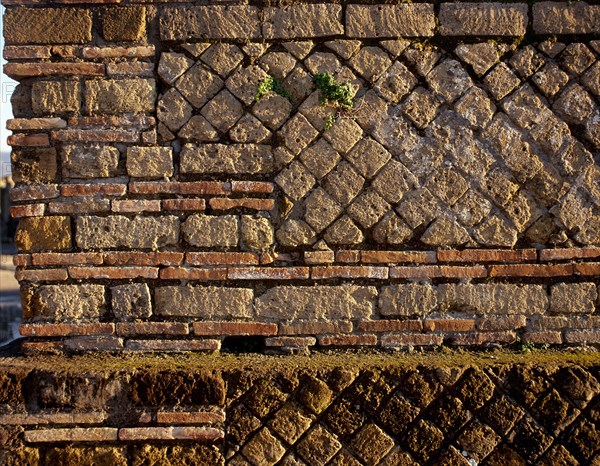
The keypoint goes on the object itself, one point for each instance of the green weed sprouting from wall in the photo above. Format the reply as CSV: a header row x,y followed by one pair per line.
x,y
269,84
338,94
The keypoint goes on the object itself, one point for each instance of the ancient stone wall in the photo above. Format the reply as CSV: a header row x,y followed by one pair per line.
x,y
307,175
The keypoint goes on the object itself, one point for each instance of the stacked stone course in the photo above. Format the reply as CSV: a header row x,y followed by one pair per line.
x,y
163,207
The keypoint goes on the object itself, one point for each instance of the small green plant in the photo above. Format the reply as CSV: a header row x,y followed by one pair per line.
x,y
341,95
528,347
267,85
331,119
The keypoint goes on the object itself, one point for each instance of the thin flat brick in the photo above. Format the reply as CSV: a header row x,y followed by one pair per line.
x,y
31,124
64,330
267,273
486,255
96,135
45,275
404,20
72,434
483,19
142,51
411,339
199,434
566,18
221,258
543,338
57,258
531,270
186,273
109,189
79,205
184,204
482,338
448,325
244,203
30,210
143,258
348,340
135,121
24,52
583,336
234,328
198,417
382,326
94,343
315,328
451,271
424,271
21,260
494,324
135,205
347,256
543,323
26,419
152,328
114,273
398,257
588,268
135,68
174,187
31,70
319,257
347,271
262,187
569,253
29,140
173,346
34,192
297,342
42,347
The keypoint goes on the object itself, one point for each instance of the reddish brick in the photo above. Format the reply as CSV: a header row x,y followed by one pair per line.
x,y
67,51
79,205
319,257
582,336
588,268
175,187
142,51
32,193
184,204
494,324
487,255
94,343
96,135
29,140
252,187
531,270
21,260
64,330
482,338
411,339
77,258
23,52
381,326
223,203
173,346
398,257
198,417
106,189
135,205
27,70
221,258
452,271
25,419
198,434
348,340
347,256
569,253
114,273
152,328
185,273
315,328
143,258
267,258
267,273
30,210
295,342
448,325
424,271
348,271
71,434
541,338
117,121
32,348
234,328
130,68
50,275
17,124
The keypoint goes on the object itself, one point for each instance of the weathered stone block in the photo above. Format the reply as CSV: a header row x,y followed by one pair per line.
x,y
483,19
566,18
120,96
257,233
89,161
317,302
404,20
34,165
204,302
64,303
131,302
211,231
573,298
407,300
43,233
124,23
55,97
119,231
229,159
150,162
47,26
302,21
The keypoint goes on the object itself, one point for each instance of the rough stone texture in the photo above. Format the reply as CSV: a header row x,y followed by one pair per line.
x,y
119,231
131,302
47,26
34,165
211,231
302,21
221,158
64,303
567,298
150,162
483,19
88,162
256,233
317,303
407,300
204,303
124,23
120,96
404,20
43,234
55,97
566,18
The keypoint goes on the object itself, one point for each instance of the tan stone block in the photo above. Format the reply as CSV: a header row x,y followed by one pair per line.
x,y
43,233
121,24
150,162
483,19
211,231
48,26
34,165
92,161
204,302
55,97
302,21
64,303
116,96
403,20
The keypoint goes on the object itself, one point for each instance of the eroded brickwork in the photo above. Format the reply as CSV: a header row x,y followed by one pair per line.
x,y
165,205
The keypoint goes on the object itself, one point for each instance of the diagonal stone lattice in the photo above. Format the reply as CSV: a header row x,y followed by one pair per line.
x,y
487,145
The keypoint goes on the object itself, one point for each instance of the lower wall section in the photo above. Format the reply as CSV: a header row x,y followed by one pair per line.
x,y
340,409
